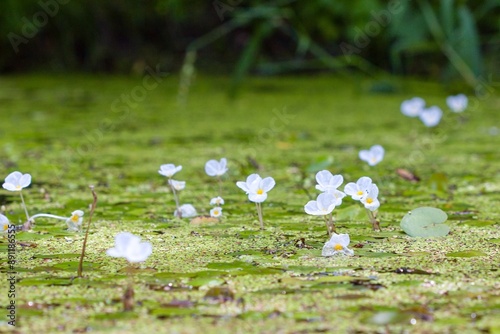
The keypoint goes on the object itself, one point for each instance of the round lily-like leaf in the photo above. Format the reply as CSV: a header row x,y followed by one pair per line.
x,y
425,222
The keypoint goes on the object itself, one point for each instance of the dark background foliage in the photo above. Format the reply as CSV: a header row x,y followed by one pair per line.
x,y
443,39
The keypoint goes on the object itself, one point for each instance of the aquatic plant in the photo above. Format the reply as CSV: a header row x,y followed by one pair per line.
x,y
323,206
256,188
216,169
185,211
217,201
131,248
74,221
412,107
216,212
16,181
367,193
170,170
457,103
372,156
4,221
431,116
337,245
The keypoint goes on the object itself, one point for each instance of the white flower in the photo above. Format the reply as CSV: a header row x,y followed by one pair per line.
x,y
457,103
323,205
370,200
177,185
372,156
217,201
337,245
431,116
75,221
338,195
216,168
412,107
359,189
5,223
169,170
256,187
327,181
216,212
187,210
130,247
16,181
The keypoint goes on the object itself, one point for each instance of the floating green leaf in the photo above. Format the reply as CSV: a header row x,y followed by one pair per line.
x,y
467,253
425,222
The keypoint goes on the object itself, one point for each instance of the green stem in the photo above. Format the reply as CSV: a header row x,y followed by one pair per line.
x,y
373,220
92,209
176,199
24,207
220,185
327,225
259,212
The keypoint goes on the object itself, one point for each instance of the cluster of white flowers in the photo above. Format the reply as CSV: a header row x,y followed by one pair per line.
x,y
330,196
17,181
184,210
216,169
431,116
364,190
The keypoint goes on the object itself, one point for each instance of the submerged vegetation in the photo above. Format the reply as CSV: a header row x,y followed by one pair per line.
x,y
224,273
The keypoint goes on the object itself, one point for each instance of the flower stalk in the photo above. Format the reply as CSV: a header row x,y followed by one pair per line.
x,y
92,209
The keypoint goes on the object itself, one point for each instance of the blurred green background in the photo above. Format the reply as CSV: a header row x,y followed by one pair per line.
x,y
445,40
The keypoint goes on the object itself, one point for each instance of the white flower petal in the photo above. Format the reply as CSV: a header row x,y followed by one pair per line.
x,y
412,107
243,186
431,116
268,183
257,198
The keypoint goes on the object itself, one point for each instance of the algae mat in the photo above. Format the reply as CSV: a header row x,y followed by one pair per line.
x,y
229,276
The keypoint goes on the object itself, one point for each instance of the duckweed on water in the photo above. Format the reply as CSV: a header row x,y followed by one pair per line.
x,y
230,276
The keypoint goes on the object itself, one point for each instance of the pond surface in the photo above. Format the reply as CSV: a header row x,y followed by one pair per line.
x,y
70,132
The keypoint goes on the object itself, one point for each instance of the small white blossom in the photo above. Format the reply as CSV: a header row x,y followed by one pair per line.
x,y
216,212
216,168
5,223
130,247
323,205
372,156
169,170
217,201
337,245
327,181
358,190
412,107
16,181
75,221
177,185
431,116
457,103
187,210
371,201
256,188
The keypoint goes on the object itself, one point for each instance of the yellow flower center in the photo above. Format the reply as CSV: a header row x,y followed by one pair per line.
x,y
18,187
369,200
216,212
338,247
360,192
74,218
5,226
260,192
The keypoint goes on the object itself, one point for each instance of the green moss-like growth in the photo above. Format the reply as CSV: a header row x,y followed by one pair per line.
x,y
72,132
